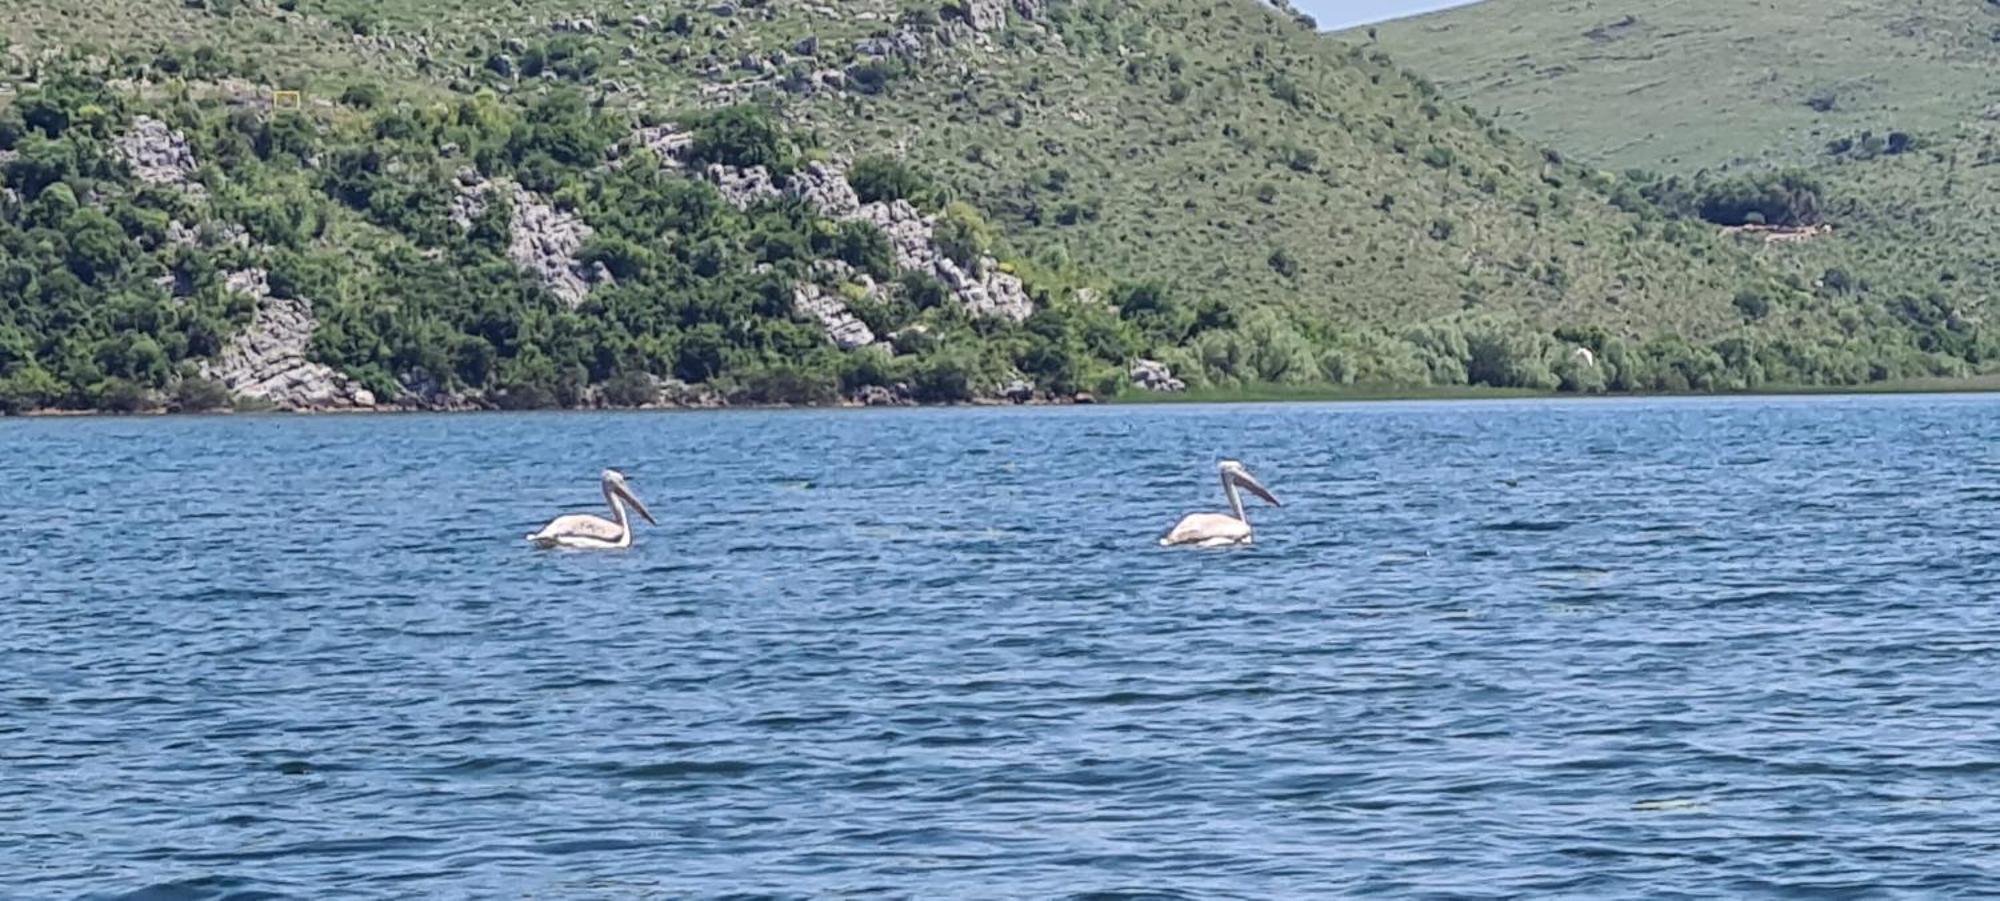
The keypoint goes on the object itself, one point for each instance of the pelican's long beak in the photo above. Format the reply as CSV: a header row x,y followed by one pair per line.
x,y
638,506
1250,484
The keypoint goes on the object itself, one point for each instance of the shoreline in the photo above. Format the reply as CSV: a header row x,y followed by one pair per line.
x,y
1268,394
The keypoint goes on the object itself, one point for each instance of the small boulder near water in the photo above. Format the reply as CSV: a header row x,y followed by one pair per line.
x,y
1153,375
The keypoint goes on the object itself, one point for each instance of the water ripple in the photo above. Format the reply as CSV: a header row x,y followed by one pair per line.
x,y
1678,648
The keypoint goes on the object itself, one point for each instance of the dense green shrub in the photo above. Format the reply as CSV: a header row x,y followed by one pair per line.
x,y
740,136
881,178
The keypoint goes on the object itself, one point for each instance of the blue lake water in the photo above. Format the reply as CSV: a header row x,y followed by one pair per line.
x,y
1590,648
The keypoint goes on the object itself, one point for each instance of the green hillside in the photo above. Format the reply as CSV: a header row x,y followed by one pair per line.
x,y
568,203
1703,83
1889,109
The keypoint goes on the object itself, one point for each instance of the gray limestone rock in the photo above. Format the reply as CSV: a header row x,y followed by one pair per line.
x,y
1154,375
268,360
842,327
897,395
468,201
743,188
825,186
157,154
986,15
544,241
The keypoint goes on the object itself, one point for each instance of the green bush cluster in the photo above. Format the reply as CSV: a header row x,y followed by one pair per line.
x,y
101,309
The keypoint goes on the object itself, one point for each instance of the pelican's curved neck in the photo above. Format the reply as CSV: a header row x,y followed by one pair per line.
x,y
617,509
1235,500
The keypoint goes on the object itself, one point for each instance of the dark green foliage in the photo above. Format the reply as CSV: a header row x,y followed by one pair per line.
x,y
1789,198
102,306
631,389
197,395
740,136
362,95
886,178
963,234
789,384
864,247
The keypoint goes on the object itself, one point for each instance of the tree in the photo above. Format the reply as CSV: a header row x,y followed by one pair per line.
x,y
739,136
881,178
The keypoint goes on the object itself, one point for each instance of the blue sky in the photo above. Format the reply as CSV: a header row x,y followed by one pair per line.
x,y
1332,14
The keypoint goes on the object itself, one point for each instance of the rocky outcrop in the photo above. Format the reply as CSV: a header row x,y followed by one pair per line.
x,y
156,153
743,188
1153,375
984,289
897,395
422,391
545,240
986,15
468,199
825,186
268,360
906,44
842,326
541,239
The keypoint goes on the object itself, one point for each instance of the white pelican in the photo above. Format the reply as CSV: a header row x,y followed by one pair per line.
x,y
583,531
1216,529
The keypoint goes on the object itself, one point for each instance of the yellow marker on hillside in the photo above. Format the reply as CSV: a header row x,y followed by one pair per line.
x,y
286,100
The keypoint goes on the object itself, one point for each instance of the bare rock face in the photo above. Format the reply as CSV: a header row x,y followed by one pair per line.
x,y
986,15
879,396
268,361
906,44
182,234
1154,375
422,391
842,327
825,186
468,200
545,241
157,154
541,239
743,188
983,289
909,231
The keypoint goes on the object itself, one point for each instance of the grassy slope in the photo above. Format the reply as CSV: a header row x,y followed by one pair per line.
x,y
1179,182
1211,144
1715,83
1700,83
1380,236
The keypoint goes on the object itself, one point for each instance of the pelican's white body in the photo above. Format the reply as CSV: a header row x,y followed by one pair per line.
x,y
1220,529
581,531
